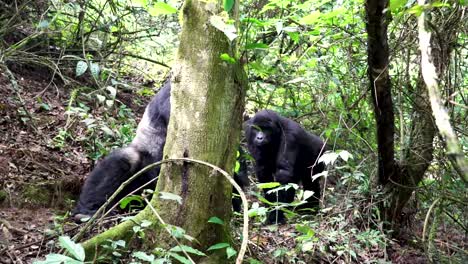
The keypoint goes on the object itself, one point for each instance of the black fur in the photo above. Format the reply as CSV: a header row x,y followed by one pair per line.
x,y
284,152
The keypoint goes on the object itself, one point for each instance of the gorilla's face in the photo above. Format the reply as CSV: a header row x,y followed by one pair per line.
x,y
263,130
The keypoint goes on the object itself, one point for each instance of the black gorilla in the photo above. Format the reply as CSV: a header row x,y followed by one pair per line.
x,y
146,148
284,152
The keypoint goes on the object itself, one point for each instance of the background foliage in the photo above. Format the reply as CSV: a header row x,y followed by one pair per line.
x,y
305,59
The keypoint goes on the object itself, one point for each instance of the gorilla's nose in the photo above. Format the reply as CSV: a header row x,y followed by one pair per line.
x,y
260,137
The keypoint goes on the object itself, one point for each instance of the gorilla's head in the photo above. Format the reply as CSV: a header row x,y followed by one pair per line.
x,y
264,129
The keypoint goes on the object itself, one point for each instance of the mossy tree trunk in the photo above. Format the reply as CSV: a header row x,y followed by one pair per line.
x,y
207,101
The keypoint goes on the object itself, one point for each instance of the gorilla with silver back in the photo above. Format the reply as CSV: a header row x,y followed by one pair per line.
x,y
146,148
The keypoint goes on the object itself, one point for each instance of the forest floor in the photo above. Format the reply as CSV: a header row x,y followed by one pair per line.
x,y
39,182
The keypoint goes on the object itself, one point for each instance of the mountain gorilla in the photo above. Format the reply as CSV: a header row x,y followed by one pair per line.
x,y
284,152
146,148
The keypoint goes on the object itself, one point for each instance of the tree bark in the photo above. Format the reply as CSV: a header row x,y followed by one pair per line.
x,y
207,102
378,62
400,180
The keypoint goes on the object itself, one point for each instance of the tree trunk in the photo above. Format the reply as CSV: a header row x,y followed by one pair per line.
x,y
377,50
400,180
207,101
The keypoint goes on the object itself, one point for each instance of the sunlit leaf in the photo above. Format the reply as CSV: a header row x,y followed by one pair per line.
x,y
187,249
318,175
216,220
161,8
312,18
112,91
180,258
143,256
225,57
395,4
73,248
228,29
345,155
268,185
218,246
146,223
230,252
307,194
170,196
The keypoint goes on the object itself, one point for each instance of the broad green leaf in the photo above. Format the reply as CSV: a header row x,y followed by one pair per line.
x,y
176,231
145,223
216,220
161,8
294,36
310,19
251,46
225,57
143,256
180,258
58,259
230,252
440,4
73,248
258,211
268,185
131,198
187,249
218,246
170,196
120,243
395,4
228,4
416,10
81,67
139,3
237,167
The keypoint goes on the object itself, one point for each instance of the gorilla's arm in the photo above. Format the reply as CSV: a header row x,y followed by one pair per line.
x,y
108,175
288,152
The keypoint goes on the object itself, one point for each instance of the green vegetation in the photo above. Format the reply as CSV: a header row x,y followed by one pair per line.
x,y
307,60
